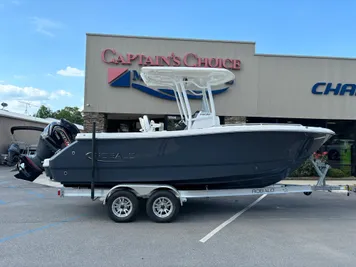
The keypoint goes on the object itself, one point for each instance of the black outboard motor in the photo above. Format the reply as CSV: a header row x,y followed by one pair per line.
x,y
56,136
13,153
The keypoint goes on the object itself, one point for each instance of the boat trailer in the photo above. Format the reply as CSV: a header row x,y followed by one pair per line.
x,y
164,201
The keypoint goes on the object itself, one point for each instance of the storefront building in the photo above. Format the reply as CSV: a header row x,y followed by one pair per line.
x,y
314,91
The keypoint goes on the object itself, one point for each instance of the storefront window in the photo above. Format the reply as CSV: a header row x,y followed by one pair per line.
x,y
341,148
123,126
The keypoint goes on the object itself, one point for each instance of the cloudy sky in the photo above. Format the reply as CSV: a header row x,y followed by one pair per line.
x,y
42,44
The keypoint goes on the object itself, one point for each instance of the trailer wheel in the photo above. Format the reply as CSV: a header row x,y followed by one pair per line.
x,y
122,206
162,206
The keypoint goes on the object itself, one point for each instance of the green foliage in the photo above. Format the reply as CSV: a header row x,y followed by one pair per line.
x,y
71,114
307,170
304,170
44,112
346,170
337,173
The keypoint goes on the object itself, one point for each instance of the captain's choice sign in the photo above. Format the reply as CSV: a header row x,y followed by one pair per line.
x,y
110,56
123,76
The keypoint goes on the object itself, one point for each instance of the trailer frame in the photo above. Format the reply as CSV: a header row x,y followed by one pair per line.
x,y
176,198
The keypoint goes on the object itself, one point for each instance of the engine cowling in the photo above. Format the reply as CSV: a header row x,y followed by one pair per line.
x,y
56,136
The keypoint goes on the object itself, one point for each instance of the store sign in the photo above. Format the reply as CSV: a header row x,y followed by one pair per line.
x,y
124,77
322,88
110,56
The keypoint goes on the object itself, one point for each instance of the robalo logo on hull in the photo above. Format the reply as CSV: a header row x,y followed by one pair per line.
x,y
125,77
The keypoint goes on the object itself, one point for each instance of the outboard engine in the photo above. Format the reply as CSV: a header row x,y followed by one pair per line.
x,y
12,154
56,136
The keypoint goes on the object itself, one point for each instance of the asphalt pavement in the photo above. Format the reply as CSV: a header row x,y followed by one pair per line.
x,y
37,228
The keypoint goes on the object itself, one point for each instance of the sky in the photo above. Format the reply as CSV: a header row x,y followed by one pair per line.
x,y
42,43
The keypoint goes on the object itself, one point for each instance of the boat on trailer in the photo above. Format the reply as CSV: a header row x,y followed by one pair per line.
x,y
200,154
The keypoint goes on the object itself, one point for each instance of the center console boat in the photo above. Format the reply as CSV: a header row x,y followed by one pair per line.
x,y
200,153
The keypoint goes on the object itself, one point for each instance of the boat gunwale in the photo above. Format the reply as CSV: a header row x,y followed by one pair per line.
x,y
222,129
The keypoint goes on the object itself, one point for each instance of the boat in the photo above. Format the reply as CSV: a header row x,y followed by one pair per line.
x,y
200,153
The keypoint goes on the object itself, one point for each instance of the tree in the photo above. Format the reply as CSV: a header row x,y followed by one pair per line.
x,y
72,114
44,112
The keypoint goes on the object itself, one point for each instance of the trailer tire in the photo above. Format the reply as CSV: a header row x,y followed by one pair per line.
x,y
123,201
162,201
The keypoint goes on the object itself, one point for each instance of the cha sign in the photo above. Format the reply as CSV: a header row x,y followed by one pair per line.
x,y
322,88
110,56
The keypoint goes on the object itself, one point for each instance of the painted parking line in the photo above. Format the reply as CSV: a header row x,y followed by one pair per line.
x,y
2,202
4,239
4,182
221,226
36,194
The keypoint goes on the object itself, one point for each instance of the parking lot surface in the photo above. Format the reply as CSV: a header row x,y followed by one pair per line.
x,y
37,228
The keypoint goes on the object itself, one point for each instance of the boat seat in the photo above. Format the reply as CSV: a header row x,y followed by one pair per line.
x,y
145,124
142,124
149,126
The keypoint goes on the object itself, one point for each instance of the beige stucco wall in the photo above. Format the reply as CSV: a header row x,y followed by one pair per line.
x,y
30,137
265,85
285,85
